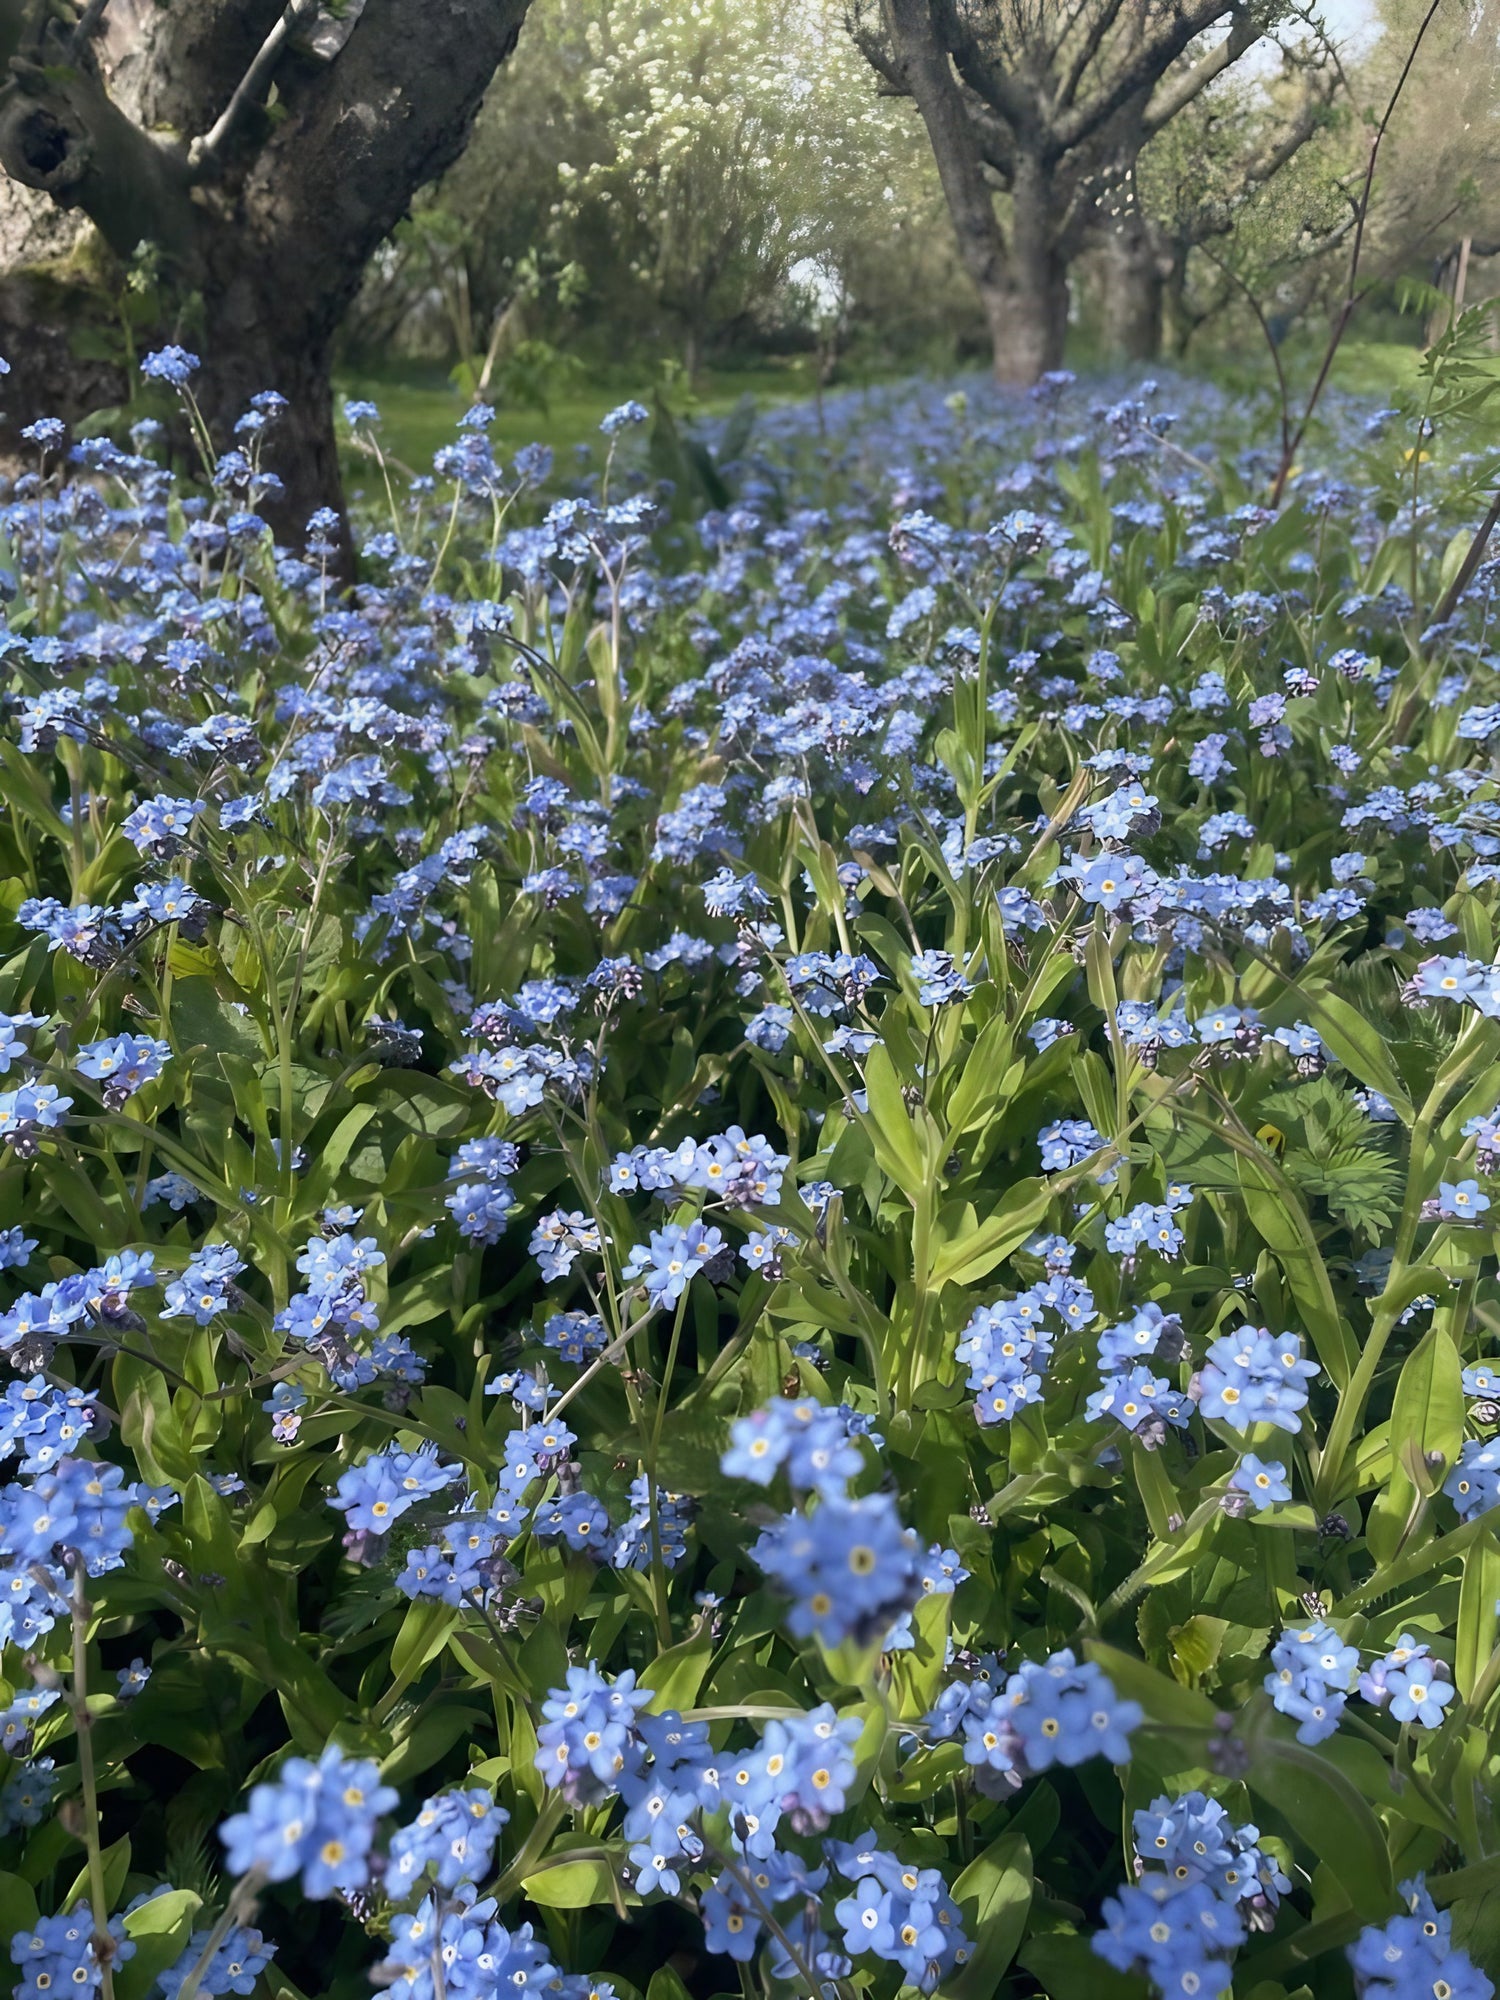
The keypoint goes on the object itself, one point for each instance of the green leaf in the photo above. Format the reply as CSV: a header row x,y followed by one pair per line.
x,y
565,1883
665,1985
1477,1621
18,1910
200,1019
1328,1814
1281,1221
675,1675
1070,1969
1426,1417
160,1931
891,1130
994,1893
1003,1230
423,1635
433,1735
1356,1043
1164,1699
116,1860
976,1095
917,1671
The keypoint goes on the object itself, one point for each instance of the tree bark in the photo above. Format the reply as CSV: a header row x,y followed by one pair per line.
x,y
1030,327
261,243
1018,323
1132,292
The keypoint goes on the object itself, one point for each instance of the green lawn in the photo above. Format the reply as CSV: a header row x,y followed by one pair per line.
x,y
419,407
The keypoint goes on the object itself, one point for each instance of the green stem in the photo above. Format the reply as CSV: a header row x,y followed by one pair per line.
x,y
542,1829
83,1722
237,1910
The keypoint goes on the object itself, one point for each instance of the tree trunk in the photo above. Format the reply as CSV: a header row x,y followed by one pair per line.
x,y
1180,326
1028,313
1131,293
261,238
60,327
262,336
1024,293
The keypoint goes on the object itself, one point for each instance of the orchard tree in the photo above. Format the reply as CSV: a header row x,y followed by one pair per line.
x,y
676,178
1235,177
1046,102
729,143
235,163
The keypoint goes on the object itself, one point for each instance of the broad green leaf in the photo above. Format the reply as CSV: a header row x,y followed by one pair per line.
x,y
994,1893
200,1018
917,1671
160,1931
1477,1598
1281,1221
892,1133
976,1095
116,1861
1003,1230
423,1635
1070,1969
574,1882
675,1675
433,1735
1356,1043
1163,1699
18,1910
1328,1813
1427,1416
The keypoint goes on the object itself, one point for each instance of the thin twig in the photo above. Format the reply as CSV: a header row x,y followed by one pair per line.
x,y
89,23
1448,602
1352,296
1265,326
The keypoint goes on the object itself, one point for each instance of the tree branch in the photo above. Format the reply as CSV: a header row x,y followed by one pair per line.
x,y
1148,63
62,133
204,153
174,70
991,81
929,78
388,115
1164,105
1104,19
1352,296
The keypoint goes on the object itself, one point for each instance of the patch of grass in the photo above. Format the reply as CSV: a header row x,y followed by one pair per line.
x,y
419,406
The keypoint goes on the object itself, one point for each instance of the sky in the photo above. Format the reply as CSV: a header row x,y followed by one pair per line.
x,y
1349,20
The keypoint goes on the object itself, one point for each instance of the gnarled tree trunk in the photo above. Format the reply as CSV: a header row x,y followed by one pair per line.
x,y
258,227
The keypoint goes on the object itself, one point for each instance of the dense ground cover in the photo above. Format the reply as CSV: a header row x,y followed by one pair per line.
x,y
747,1245
419,403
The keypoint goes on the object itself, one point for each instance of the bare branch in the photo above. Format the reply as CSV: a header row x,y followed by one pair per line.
x,y
204,153
1093,39
90,21
1165,104
1149,60
1352,295
928,76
